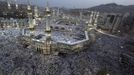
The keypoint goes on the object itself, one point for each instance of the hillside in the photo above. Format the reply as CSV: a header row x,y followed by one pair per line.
x,y
113,7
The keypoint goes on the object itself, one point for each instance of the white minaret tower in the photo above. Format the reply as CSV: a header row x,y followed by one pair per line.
x,y
36,12
91,18
35,15
48,43
96,19
30,19
8,4
90,22
28,6
16,5
58,12
48,15
29,13
81,15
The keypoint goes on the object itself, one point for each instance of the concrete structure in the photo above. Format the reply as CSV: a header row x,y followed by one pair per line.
x,y
111,21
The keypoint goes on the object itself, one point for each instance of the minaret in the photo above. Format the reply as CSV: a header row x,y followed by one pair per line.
x,y
16,5
58,12
48,43
91,18
30,20
96,19
54,14
90,23
36,12
28,6
94,16
35,15
8,5
48,15
81,15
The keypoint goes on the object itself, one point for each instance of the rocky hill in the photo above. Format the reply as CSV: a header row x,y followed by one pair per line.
x,y
113,7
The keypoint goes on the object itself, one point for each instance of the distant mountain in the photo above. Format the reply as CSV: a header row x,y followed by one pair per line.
x,y
108,8
113,7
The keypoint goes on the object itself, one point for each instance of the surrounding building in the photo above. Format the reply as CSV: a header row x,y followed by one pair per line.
x,y
111,21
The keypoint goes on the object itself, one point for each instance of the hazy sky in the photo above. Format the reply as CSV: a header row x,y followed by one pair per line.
x,y
79,3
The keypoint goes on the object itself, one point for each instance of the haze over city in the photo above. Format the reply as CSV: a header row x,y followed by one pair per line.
x,y
77,3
